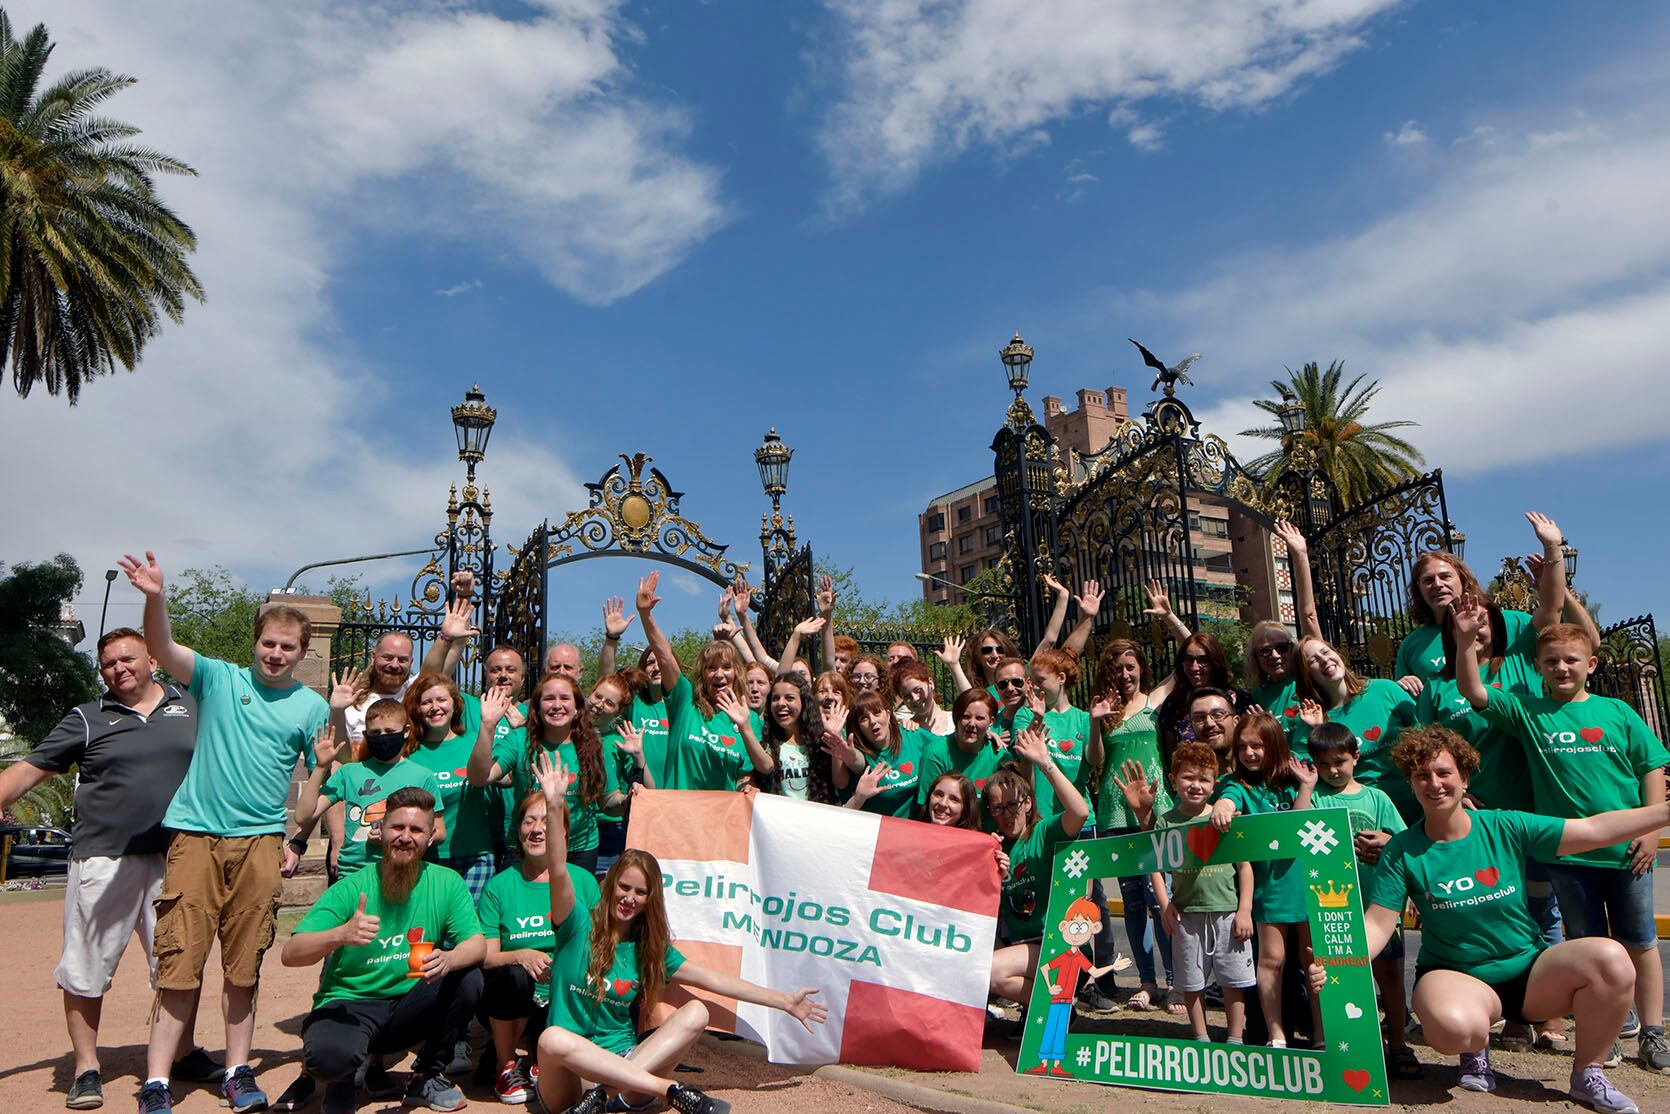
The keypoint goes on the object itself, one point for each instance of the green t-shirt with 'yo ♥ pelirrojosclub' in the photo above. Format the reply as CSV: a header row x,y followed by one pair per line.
x,y
517,912
606,1021
467,808
1470,891
703,752
897,794
1586,756
438,909
1026,892
582,815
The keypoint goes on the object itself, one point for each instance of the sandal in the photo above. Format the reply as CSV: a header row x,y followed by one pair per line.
x,y
1404,1065
1141,1000
1174,1004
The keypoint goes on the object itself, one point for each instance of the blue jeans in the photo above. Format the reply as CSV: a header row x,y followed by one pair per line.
x,y
1142,926
1606,901
1053,1046
1540,902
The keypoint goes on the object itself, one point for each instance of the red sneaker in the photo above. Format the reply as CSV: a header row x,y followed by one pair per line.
x,y
512,1086
1040,1068
1061,1071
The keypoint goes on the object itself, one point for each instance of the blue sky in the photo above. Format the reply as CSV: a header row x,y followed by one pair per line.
x,y
667,226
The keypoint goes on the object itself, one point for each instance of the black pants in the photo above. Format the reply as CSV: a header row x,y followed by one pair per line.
x,y
507,995
337,1036
585,860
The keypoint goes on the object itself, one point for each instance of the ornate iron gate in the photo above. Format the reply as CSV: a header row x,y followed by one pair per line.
x,y
1631,671
1362,560
790,595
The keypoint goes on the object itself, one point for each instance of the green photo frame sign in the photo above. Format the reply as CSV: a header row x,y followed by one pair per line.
x,y
1350,1068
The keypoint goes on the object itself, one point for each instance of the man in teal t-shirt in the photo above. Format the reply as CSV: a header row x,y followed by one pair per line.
x,y
387,984
227,823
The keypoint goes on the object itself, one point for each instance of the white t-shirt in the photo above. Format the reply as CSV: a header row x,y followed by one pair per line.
x,y
355,714
795,765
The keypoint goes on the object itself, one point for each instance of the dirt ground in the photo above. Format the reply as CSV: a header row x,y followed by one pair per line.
x,y
35,1063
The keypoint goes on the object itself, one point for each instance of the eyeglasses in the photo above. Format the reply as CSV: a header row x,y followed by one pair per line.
x,y
1277,648
1196,657
1216,715
1006,807
1011,683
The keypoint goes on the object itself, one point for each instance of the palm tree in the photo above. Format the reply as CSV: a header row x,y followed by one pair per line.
x,y
1359,458
90,257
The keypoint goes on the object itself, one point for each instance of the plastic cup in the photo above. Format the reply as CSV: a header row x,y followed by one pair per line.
x,y
414,961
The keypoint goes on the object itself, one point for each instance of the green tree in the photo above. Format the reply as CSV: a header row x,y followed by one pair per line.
x,y
213,612
1358,457
92,258
41,675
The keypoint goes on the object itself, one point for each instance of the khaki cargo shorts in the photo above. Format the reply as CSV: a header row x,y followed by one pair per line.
x,y
217,887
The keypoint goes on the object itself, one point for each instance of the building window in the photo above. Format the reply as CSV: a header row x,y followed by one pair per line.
x,y
994,535
991,562
964,513
936,551
965,574
991,504
965,544
936,522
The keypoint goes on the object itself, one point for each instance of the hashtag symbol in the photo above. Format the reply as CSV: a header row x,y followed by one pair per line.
x,y
1318,838
1084,1057
1077,863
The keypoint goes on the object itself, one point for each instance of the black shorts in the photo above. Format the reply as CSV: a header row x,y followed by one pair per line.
x,y
1511,993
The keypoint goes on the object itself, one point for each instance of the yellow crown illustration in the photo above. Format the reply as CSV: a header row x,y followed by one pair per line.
x,y
1332,898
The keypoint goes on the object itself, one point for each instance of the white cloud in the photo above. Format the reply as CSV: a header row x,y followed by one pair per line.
x,y
1519,309
459,288
1146,137
923,82
250,437
688,584
1407,135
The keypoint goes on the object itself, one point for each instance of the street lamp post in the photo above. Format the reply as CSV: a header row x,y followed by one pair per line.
x,y
469,536
776,533
1023,469
109,579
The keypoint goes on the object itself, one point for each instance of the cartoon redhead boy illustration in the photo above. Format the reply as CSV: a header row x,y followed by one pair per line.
x,y
1061,974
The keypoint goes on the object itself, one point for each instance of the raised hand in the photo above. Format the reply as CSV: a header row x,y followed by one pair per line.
x,y
326,746
1159,603
1055,585
1035,701
496,703
629,740
459,621
359,929
1135,787
801,1007
1304,771
870,783
1292,538
951,653
647,599
346,689
1222,813
835,715
1467,617
742,596
1311,713
733,706
726,599
1031,744
146,576
463,583
615,619
840,748
553,778
808,627
1546,529
1103,707
1533,567
724,632
1089,598
826,596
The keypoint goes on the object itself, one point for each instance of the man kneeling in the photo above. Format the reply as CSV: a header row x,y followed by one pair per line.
x,y
387,985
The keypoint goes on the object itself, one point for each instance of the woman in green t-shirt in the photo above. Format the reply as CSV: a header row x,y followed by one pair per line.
x,y
610,956
559,725
1482,957
1436,580
436,709
514,912
1376,710
797,766
888,758
1123,729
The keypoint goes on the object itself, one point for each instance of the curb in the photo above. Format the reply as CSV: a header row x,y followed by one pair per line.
x,y
890,1087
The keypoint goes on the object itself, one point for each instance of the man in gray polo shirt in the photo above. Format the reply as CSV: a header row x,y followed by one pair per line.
x,y
132,745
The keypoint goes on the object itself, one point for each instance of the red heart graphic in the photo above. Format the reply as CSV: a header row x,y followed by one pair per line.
x,y
462,771
1291,710
1488,877
1592,734
1066,746
414,936
979,783
906,767
1203,839
622,987
728,740
1372,734
1355,1078
664,723
1496,684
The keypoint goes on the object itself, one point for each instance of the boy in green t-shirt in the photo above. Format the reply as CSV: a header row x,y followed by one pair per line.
x,y
386,983
1208,908
1374,821
1588,754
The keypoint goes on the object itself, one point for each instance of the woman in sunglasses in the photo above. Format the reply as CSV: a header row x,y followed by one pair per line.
x,y
1269,672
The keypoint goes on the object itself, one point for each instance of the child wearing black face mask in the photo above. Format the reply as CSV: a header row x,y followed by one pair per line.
x,y
363,786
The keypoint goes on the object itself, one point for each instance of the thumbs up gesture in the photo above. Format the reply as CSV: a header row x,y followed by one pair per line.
x,y
361,928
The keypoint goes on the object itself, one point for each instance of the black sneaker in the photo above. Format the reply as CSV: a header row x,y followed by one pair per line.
x,y
688,1100
197,1066
155,1098
87,1092
341,1097
379,1084
298,1095
593,1101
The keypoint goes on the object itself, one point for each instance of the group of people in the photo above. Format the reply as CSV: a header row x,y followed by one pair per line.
x,y
479,873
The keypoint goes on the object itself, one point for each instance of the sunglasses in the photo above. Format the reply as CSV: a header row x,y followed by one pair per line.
x,y
1277,648
991,651
1012,683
